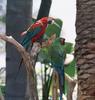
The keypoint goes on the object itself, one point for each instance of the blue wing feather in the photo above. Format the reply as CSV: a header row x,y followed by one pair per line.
x,y
30,34
60,71
59,67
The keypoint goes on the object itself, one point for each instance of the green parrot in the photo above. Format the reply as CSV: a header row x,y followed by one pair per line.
x,y
57,56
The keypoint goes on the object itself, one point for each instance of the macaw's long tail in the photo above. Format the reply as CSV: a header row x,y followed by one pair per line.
x,y
61,81
28,49
19,68
20,64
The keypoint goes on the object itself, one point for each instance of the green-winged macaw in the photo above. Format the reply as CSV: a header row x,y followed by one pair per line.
x,y
57,55
35,32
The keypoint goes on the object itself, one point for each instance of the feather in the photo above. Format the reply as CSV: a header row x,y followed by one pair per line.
x,y
30,34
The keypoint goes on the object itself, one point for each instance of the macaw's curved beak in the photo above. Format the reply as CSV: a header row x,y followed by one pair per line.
x,y
23,33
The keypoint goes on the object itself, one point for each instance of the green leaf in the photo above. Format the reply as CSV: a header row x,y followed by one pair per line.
x,y
70,69
54,29
43,56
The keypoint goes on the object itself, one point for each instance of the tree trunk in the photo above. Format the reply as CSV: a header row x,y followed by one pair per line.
x,y
85,49
44,8
18,19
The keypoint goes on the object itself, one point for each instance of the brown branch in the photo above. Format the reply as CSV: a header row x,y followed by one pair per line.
x,y
11,40
71,84
27,61
19,47
55,85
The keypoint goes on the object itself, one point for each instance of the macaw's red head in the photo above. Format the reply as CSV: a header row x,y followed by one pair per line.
x,y
47,20
62,41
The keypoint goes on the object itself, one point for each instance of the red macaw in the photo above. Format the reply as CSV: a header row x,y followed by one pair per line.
x,y
36,31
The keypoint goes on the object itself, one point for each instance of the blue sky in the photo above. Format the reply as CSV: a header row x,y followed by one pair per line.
x,y
65,10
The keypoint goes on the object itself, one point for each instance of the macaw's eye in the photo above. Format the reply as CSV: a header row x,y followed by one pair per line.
x,y
50,22
62,41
